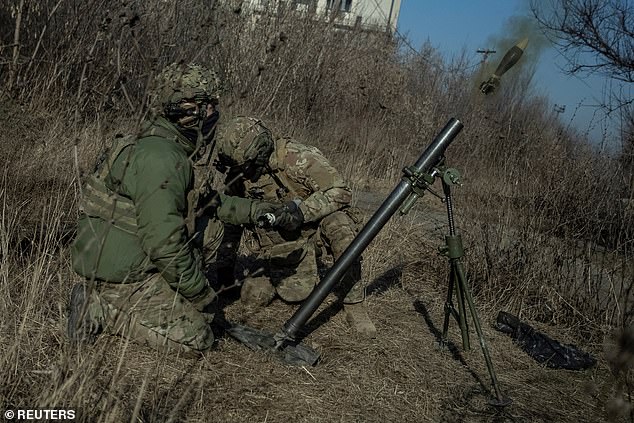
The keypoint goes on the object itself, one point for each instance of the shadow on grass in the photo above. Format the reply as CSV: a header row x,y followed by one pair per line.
x,y
390,278
450,346
382,283
379,285
466,402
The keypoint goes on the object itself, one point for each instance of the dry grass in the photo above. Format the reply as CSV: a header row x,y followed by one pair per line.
x,y
400,376
544,237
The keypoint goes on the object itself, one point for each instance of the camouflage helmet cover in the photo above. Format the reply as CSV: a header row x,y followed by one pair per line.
x,y
242,139
186,81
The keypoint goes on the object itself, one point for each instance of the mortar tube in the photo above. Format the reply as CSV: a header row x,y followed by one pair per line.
x,y
430,157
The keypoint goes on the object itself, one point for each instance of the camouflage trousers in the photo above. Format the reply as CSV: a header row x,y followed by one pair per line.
x,y
150,312
292,265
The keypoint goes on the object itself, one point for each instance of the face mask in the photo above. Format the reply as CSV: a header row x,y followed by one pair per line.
x,y
209,124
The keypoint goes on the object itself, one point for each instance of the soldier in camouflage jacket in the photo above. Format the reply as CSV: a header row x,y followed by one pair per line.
x,y
260,166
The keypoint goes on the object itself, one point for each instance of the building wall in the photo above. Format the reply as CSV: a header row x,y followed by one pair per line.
x,y
375,14
370,14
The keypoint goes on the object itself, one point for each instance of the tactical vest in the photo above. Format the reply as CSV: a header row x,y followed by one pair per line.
x,y
100,201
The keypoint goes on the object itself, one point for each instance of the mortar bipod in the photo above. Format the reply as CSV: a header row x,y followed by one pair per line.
x,y
454,251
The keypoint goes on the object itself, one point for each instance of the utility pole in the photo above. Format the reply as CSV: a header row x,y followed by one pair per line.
x,y
389,18
559,109
485,53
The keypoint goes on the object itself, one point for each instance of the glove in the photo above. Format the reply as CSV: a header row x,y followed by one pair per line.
x,y
262,213
203,299
289,217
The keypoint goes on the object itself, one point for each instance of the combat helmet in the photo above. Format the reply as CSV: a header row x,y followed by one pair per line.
x,y
179,82
243,139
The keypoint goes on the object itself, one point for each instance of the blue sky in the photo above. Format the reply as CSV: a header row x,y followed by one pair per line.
x,y
454,25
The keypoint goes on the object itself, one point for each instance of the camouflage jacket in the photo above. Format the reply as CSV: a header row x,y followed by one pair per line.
x,y
299,171
135,208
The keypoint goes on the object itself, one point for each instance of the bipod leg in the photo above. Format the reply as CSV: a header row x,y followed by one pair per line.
x,y
499,400
450,309
456,267
455,252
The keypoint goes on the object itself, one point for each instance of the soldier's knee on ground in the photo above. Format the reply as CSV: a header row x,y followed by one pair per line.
x,y
294,289
204,340
151,313
294,274
193,338
191,349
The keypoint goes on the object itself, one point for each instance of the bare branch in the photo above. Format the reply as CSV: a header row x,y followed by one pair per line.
x,y
594,35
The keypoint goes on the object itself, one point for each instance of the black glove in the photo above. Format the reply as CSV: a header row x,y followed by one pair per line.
x,y
289,217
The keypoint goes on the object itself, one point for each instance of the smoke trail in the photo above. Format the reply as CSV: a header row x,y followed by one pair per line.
x,y
515,29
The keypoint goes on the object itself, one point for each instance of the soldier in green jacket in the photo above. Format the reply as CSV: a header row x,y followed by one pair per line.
x,y
260,166
149,220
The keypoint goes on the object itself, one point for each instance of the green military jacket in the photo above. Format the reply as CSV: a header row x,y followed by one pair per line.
x,y
135,209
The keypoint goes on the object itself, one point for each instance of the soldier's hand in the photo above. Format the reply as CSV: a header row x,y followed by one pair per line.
x,y
262,213
289,217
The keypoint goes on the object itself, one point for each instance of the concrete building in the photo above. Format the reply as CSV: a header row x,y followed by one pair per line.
x,y
378,15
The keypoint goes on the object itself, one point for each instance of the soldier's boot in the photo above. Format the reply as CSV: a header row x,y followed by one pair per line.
x,y
358,318
85,320
356,312
257,291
